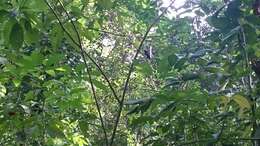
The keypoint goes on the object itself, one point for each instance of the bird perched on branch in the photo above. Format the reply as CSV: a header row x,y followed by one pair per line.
x,y
256,66
256,7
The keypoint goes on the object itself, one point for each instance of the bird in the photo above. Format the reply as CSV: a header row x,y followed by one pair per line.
x,y
256,67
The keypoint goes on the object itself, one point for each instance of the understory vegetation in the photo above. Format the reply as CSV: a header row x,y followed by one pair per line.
x,y
129,72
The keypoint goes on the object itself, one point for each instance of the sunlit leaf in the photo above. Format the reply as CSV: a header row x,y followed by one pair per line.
x,y
2,90
242,101
51,72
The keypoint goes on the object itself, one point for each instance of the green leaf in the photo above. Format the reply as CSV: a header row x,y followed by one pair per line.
x,y
172,59
138,101
141,120
218,22
194,95
144,68
33,60
213,69
79,140
180,63
163,66
33,131
242,101
62,69
16,82
107,4
54,130
7,28
56,36
16,37
190,76
233,10
76,11
51,72
84,126
2,91
30,62
89,34
253,19
231,33
53,59
99,84
35,6
31,35
84,2
3,15
78,90
25,108
257,52
167,110
250,34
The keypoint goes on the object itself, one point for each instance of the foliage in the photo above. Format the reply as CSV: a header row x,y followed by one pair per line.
x,y
123,72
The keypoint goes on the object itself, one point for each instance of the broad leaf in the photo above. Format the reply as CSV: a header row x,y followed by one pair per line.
x,y
16,36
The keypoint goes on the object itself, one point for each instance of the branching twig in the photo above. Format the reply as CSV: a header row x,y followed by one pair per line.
x,y
91,59
121,104
88,72
79,44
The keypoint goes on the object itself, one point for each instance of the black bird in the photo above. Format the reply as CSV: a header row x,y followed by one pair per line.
x,y
256,67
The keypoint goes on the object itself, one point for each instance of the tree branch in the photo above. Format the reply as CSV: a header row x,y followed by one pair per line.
x,y
242,44
121,104
88,72
90,58
79,44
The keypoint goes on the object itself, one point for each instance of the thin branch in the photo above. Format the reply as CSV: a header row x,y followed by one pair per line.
x,y
91,59
88,72
85,62
121,104
62,26
105,77
242,44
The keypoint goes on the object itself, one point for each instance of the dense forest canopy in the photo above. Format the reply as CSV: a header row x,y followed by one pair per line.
x,y
129,72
